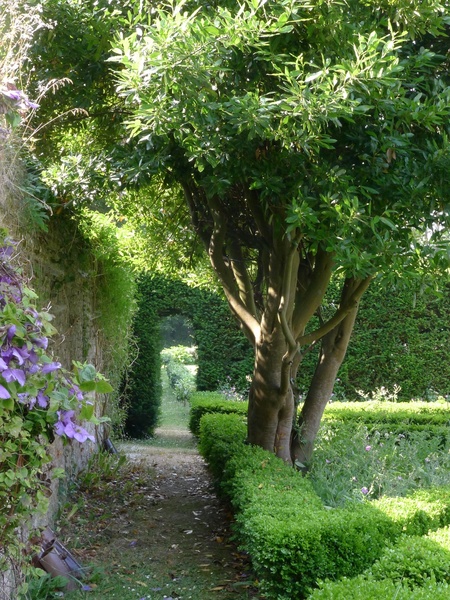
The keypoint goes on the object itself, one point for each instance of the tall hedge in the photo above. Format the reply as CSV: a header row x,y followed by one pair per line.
x,y
224,354
401,338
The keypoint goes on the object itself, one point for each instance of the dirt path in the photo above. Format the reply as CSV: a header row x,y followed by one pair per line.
x,y
154,529
188,527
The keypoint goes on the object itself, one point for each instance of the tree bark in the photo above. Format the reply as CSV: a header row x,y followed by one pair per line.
x,y
271,409
333,350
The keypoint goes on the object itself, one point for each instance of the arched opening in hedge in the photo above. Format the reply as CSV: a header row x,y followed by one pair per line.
x,y
222,350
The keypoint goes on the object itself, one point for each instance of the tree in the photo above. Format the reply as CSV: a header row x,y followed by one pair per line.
x,y
310,141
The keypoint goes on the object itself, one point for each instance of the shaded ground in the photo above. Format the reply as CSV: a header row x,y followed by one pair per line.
x,y
154,527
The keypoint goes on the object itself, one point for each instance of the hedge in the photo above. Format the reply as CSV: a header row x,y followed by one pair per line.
x,y
405,415
223,352
414,562
400,338
292,539
360,588
203,403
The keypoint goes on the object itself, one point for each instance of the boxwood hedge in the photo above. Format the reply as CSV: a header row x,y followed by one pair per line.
x,y
293,539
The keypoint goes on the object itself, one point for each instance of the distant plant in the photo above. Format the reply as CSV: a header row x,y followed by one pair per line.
x,y
186,355
382,394
177,361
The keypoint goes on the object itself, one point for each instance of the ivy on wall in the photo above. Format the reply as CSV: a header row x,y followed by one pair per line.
x,y
223,352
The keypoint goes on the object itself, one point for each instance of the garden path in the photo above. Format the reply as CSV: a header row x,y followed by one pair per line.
x,y
157,529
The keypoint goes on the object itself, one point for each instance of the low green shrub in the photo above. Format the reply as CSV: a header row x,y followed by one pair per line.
x,y
360,588
292,538
424,510
212,402
186,355
409,415
416,560
413,562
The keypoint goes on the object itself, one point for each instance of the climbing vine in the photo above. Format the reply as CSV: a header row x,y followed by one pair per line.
x,y
39,400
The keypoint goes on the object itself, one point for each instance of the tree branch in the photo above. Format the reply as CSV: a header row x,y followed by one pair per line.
x,y
242,277
287,295
225,273
307,302
339,315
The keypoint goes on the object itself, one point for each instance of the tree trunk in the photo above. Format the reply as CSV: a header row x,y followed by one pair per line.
x,y
271,410
333,350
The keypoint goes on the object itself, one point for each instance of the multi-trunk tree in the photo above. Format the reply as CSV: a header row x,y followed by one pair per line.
x,y
310,142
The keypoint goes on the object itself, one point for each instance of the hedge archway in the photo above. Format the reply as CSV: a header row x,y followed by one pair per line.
x,y
223,352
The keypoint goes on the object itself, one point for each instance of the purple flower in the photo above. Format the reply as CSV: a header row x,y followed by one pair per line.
x,y
13,94
368,448
4,394
11,332
67,427
42,400
364,491
81,435
3,365
10,375
41,342
49,367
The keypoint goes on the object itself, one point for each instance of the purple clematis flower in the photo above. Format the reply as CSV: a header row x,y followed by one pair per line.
x,y
49,367
42,400
65,426
41,342
4,394
23,397
13,94
18,375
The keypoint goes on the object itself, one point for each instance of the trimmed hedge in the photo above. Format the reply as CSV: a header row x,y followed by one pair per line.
x,y
203,403
360,588
416,415
414,562
400,335
294,540
223,353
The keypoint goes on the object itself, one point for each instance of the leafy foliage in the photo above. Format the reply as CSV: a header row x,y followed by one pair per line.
x,y
292,538
38,400
181,377
222,350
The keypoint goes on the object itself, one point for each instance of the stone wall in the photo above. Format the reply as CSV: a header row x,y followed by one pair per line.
x,y
64,275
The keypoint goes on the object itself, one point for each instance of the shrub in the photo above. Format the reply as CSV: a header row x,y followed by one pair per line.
x,y
415,560
181,378
360,588
292,538
409,416
212,402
